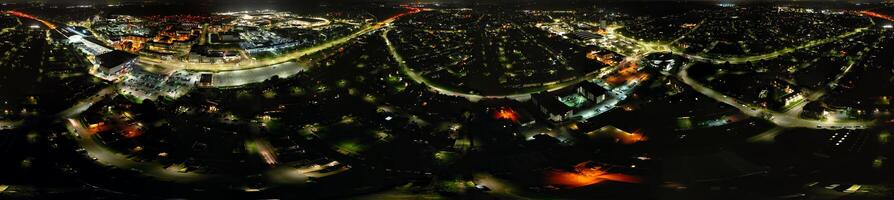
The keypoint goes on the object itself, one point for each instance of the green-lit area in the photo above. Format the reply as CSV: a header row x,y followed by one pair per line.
x,y
348,147
574,100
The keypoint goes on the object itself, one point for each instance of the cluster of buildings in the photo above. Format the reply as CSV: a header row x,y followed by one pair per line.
x,y
274,19
165,37
112,65
108,64
221,38
782,94
567,104
577,30
258,41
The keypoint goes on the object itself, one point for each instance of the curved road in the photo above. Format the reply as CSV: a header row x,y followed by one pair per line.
x,y
778,118
522,96
103,155
250,64
108,157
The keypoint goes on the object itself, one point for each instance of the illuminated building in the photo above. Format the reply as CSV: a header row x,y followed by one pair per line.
x,y
111,65
562,105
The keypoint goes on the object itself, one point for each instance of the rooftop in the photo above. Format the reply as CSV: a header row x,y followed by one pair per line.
x,y
114,58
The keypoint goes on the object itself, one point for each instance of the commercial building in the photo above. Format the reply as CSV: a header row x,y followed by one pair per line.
x,y
563,104
112,65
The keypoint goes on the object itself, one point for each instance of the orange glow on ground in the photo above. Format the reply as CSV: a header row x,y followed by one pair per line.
x,y
630,138
97,127
131,44
132,133
571,180
603,58
736,118
506,114
626,74
585,176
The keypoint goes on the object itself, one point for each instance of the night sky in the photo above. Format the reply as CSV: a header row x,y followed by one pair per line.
x,y
269,2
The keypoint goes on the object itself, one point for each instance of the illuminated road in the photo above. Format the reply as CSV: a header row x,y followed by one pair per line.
x,y
877,15
256,75
28,16
500,187
31,17
228,75
616,95
778,118
770,55
631,47
250,64
520,96
99,152
9,125
616,41
106,156
281,66
255,71
84,104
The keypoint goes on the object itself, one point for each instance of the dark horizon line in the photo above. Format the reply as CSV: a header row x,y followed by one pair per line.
x,y
486,2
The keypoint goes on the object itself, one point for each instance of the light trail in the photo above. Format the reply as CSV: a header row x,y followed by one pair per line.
x,y
28,16
877,15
